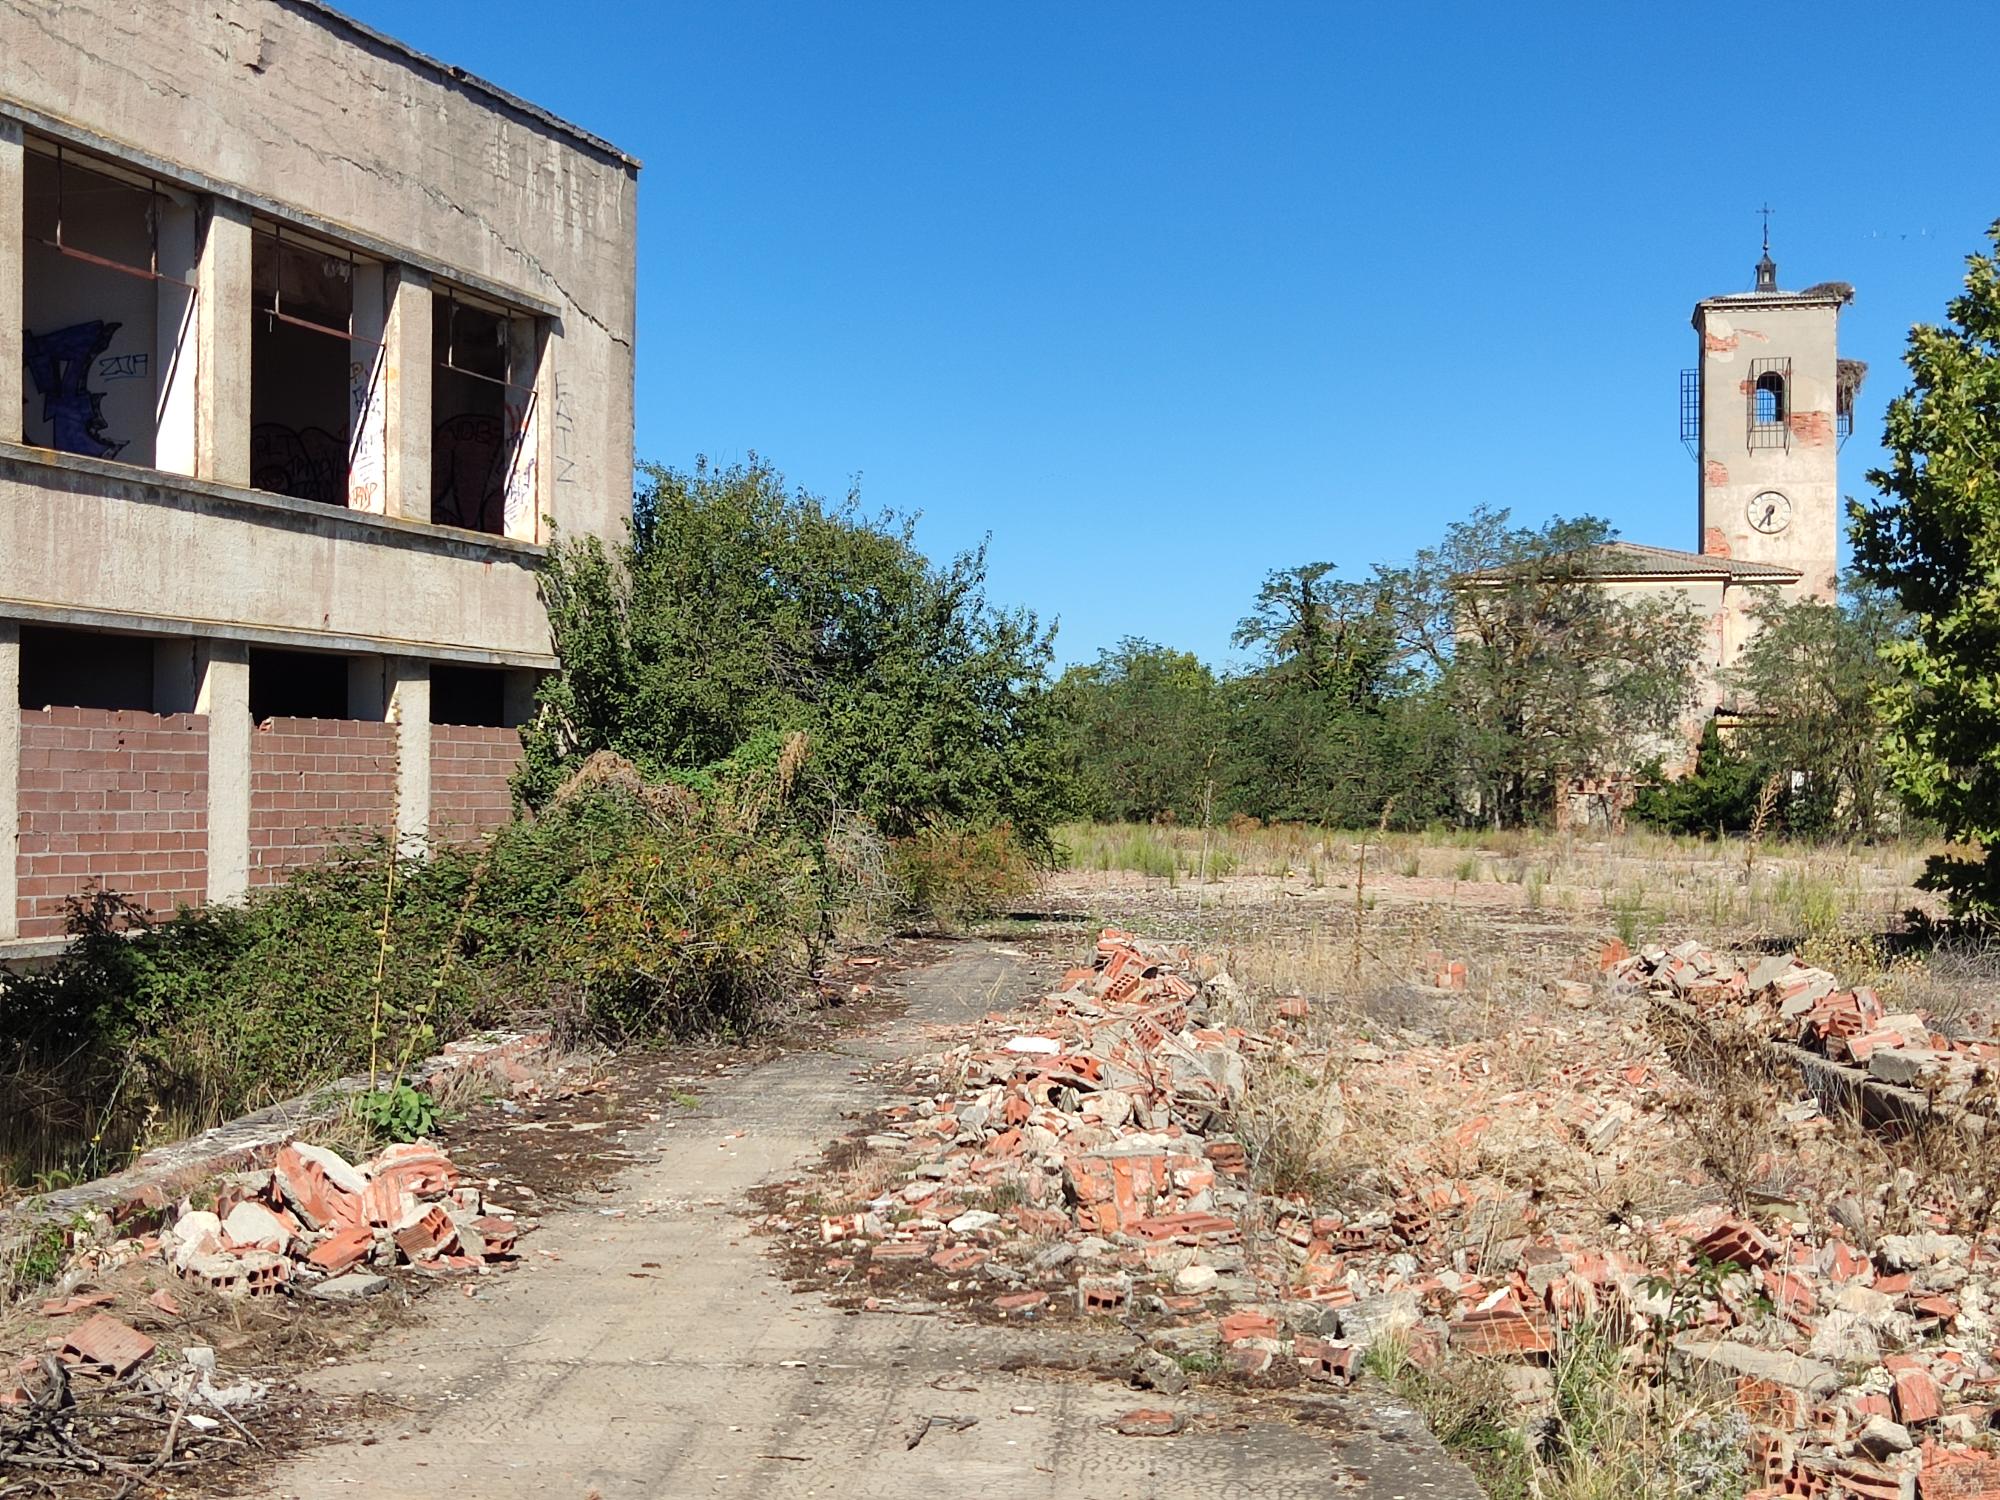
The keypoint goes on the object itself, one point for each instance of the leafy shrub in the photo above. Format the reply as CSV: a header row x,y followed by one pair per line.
x,y
624,910
396,1112
949,875
1719,796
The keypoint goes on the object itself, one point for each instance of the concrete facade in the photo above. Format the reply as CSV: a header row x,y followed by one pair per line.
x,y
306,343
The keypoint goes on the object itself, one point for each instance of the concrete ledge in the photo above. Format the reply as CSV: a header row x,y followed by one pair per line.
x,y
108,546
48,468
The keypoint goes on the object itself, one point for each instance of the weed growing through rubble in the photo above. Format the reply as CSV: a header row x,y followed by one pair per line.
x,y
1589,1429
1686,1295
400,1112
38,1260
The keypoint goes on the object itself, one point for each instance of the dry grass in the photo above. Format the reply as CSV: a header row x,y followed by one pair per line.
x,y
1647,883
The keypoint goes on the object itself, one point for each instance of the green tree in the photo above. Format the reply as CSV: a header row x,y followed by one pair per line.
x,y
1330,726
1718,796
1333,635
1932,539
1809,679
1548,673
738,611
1145,729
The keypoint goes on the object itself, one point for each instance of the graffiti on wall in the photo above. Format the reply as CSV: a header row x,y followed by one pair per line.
x,y
468,481
60,364
307,464
367,420
565,431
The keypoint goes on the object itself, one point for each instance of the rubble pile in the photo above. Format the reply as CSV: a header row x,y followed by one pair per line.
x,y
1798,1003
1094,1162
315,1219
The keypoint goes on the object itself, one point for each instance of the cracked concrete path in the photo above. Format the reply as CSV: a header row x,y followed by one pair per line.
x,y
708,1377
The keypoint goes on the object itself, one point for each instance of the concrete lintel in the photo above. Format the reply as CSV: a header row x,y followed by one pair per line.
x,y
410,708
125,623
245,201
224,697
45,466
10,779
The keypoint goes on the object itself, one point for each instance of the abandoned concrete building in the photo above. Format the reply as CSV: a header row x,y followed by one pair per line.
x,y
306,343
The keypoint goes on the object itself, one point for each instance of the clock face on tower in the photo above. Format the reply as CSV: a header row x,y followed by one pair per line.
x,y
1770,513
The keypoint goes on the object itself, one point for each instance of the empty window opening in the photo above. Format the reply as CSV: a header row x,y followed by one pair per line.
x,y
297,685
468,695
1770,400
107,267
301,360
85,669
1769,390
481,405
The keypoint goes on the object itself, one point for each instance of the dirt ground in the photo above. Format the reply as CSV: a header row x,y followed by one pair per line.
x,y
657,1338
649,1344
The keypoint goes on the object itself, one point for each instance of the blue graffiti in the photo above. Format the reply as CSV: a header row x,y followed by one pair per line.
x,y
59,364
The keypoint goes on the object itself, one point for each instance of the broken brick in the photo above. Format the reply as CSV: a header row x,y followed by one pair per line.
x,y
1239,1326
1503,1328
1917,1398
346,1248
109,1345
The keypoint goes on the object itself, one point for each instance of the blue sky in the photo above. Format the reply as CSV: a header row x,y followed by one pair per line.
x,y
1165,295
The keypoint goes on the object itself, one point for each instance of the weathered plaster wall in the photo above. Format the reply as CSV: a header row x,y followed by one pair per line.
x,y
1806,471
286,105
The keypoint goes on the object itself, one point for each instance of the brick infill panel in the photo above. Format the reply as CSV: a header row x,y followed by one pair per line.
x,y
471,770
313,784
112,797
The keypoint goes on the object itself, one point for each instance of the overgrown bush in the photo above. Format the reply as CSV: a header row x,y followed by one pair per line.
x,y
949,875
622,910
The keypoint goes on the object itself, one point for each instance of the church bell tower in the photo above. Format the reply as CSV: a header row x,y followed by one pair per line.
x,y
1766,412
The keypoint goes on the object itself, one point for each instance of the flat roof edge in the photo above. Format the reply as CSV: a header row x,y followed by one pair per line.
x,y
340,20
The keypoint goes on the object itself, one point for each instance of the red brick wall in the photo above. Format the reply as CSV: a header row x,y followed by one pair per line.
x,y
311,780
113,796
469,770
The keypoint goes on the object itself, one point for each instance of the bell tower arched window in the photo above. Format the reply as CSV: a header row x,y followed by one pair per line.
x,y
1770,403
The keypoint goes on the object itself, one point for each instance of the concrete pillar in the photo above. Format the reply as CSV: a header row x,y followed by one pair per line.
x,y
10,779
222,346
406,361
13,229
177,673
410,707
224,696
528,427
176,339
368,688
367,393
517,701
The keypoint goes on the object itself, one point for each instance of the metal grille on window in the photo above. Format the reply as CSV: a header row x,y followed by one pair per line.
x,y
1691,411
1769,392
